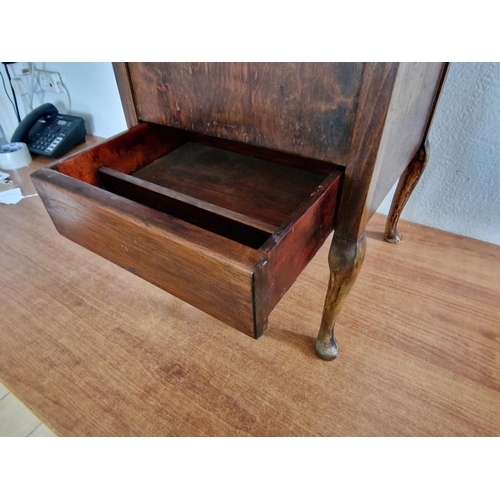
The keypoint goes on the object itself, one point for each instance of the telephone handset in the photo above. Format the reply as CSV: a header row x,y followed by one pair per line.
x,y
47,132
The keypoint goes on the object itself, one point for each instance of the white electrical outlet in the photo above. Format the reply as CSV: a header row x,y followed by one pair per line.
x,y
50,81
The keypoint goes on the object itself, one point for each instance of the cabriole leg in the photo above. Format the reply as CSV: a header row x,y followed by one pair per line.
x,y
345,259
406,185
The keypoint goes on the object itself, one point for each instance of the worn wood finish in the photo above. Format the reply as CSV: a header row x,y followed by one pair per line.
x,y
205,254
413,172
394,112
291,248
232,225
376,91
365,117
413,99
318,167
126,93
258,189
94,351
197,266
345,259
126,152
302,108
406,185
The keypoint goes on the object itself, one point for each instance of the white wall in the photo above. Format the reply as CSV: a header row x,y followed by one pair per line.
x,y
460,188
8,120
94,95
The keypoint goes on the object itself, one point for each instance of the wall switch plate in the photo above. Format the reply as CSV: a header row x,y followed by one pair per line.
x,y
50,81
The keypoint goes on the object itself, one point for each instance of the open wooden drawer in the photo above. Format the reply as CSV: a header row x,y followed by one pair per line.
x,y
224,226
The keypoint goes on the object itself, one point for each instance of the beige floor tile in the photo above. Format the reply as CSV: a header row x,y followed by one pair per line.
x,y
42,431
15,418
3,391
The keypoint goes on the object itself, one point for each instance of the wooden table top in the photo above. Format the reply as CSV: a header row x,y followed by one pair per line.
x,y
94,350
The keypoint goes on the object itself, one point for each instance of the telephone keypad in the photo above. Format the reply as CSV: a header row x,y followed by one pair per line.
x,y
48,142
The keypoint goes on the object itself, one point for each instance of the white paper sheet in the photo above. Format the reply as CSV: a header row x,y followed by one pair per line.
x,y
12,196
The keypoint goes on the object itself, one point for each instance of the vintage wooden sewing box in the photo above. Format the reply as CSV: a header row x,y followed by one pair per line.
x,y
232,175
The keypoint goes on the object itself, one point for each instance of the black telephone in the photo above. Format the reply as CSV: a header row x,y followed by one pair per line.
x,y
47,132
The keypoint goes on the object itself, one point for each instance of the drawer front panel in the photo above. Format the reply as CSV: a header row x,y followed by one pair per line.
x,y
182,259
264,104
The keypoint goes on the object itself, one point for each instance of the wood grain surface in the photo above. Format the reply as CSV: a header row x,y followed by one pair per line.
x,y
319,167
293,246
407,183
394,112
125,152
259,189
374,99
312,105
192,221
237,227
126,93
94,350
199,267
414,96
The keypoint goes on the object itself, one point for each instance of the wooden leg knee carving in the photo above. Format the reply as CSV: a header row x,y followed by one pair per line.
x,y
406,185
345,258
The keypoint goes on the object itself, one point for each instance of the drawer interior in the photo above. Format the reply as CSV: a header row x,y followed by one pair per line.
x,y
231,194
241,192
197,215
258,189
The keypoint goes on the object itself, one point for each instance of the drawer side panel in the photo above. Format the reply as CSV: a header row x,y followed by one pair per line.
x,y
292,248
415,92
125,152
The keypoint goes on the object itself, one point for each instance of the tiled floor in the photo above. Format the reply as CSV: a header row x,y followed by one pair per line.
x,y
16,420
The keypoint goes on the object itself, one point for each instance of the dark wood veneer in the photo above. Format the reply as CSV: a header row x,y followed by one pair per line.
x,y
305,109
259,189
250,232
125,153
